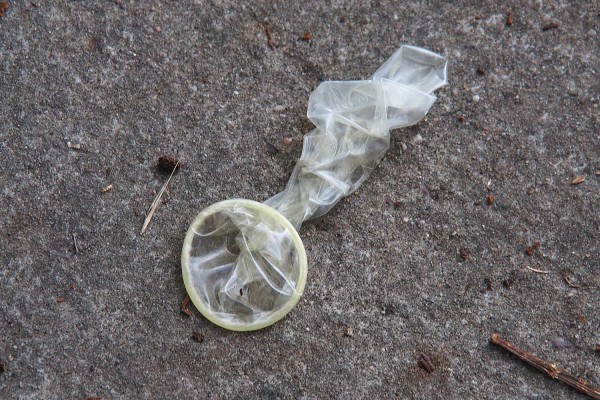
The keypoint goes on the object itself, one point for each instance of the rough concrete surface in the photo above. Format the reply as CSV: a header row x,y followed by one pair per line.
x,y
416,262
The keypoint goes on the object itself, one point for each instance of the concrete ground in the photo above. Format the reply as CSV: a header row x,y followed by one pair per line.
x,y
422,261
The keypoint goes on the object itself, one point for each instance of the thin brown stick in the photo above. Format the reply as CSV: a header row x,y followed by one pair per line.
x,y
269,37
184,306
156,201
568,281
550,369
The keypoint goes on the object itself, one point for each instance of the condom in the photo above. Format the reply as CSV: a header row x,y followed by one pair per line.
x,y
244,265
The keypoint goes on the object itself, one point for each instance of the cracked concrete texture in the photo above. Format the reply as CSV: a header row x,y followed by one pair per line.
x,y
128,81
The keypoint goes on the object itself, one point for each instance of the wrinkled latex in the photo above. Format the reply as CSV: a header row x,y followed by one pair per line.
x,y
353,120
243,266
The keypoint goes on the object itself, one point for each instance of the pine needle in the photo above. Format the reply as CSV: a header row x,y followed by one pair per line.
x,y
156,201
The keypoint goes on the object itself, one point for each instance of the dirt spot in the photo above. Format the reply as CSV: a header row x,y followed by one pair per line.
x,y
167,163
532,249
198,337
550,26
465,253
425,363
307,36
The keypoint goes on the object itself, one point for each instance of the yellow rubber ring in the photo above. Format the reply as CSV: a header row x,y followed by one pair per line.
x,y
259,209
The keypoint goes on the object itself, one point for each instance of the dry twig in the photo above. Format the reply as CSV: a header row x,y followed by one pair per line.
x,y
75,244
156,201
568,281
539,271
550,369
425,363
269,37
184,306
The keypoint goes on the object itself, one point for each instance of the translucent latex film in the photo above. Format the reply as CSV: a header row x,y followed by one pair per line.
x,y
353,120
244,265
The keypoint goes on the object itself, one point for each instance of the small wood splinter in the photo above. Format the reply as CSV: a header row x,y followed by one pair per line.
x,y
550,369
156,201
184,306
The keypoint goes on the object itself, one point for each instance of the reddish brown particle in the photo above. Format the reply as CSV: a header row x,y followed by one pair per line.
x,y
287,141
461,118
3,8
184,306
307,36
269,37
60,299
490,199
531,249
465,253
509,19
551,25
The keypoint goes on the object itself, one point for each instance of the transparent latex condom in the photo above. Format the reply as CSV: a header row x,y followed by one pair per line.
x,y
244,265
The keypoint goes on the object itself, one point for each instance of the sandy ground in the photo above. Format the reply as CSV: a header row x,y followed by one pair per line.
x,y
417,262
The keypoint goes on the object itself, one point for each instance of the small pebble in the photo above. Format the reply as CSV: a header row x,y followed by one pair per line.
x,y
418,139
198,337
476,98
157,29
279,108
560,343
287,141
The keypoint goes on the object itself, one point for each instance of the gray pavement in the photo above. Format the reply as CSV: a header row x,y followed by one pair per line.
x,y
417,262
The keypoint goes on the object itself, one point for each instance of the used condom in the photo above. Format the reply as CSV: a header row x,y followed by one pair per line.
x,y
244,265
